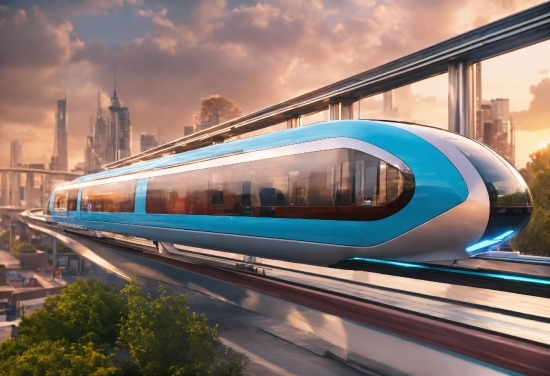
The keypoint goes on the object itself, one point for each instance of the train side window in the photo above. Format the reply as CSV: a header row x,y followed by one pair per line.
x,y
72,199
181,193
329,184
60,201
116,197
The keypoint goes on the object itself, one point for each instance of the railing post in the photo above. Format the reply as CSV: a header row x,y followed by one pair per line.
x,y
462,98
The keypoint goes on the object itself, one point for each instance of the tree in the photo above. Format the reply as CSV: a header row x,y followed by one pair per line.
x,y
535,238
19,247
215,110
72,334
5,240
56,358
163,337
86,311
76,333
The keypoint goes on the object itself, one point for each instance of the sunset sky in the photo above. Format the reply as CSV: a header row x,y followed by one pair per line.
x,y
170,54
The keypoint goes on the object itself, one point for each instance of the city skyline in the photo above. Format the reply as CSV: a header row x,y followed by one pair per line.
x,y
168,56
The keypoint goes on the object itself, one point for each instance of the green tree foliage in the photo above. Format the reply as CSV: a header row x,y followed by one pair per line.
x,y
535,238
76,332
55,358
87,310
163,337
45,248
5,240
19,247
61,248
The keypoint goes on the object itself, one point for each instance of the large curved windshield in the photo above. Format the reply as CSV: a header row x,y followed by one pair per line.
x,y
505,188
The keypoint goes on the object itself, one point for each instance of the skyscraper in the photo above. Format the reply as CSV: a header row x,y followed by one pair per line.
x,y
16,154
101,142
60,143
147,141
120,130
16,160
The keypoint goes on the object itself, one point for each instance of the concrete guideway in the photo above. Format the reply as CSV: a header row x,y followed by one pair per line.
x,y
366,331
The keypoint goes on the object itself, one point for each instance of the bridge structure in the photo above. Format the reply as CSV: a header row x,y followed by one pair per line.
x,y
22,187
456,56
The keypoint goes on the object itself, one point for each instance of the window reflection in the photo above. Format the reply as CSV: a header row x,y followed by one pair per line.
x,y
330,184
65,200
112,197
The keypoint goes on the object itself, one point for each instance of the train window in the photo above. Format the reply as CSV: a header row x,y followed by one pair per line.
x,y
72,199
503,188
329,184
65,200
116,197
60,201
177,193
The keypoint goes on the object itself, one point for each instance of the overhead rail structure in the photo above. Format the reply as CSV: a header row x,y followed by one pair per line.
x,y
64,174
455,56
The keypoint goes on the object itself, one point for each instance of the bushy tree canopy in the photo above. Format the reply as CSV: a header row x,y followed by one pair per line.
x,y
76,333
19,247
535,238
166,323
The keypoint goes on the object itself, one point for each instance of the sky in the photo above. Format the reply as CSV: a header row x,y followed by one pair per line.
x,y
170,54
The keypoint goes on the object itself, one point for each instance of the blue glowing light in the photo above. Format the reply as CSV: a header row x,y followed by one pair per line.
x,y
504,235
488,243
502,276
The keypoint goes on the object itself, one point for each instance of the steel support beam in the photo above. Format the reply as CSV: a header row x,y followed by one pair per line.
x,y
294,122
462,98
334,111
346,110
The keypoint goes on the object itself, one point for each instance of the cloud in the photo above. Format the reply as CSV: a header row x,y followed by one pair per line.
x,y
537,117
254,53
27,39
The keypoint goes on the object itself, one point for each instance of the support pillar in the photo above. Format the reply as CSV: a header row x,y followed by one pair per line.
x,y
334,111
346,110
462,98
294,122
54,256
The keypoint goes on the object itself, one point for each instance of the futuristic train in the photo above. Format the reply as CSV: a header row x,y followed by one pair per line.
x,y
317,194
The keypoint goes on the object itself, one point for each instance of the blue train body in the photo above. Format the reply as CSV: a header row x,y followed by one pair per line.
x,y
316,194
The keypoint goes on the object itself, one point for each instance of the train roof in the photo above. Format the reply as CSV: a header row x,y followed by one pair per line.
x,y
339,128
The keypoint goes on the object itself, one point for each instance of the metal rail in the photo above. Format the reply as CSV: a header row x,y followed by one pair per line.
x,y
508,34
39,171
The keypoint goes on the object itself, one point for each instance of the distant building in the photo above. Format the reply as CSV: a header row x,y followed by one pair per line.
x,y
495,128
16,154
37,166
120,131
110,139
60,143
188,129
80,167
147,141
15,193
